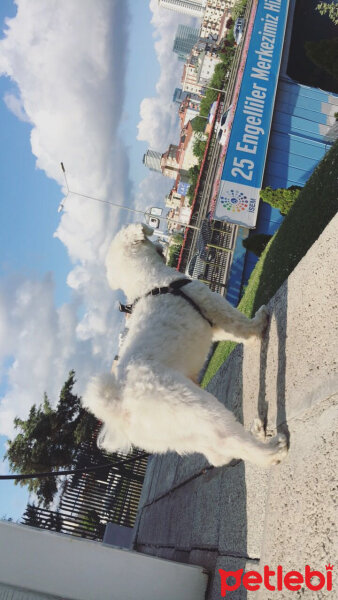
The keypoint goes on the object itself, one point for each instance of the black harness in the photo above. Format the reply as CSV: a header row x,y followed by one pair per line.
x,y
173,288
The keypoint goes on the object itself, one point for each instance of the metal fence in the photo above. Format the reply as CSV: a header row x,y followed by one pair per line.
x,y
208,255
88,501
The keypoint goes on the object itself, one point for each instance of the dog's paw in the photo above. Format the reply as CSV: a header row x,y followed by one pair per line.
x,y
279,445
258,430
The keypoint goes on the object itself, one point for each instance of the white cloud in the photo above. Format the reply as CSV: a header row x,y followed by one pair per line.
x,y
67,61
152,191
159,120
60,54
14,104
46,344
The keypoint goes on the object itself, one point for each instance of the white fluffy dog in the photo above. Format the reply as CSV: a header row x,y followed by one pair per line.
x,y
150,399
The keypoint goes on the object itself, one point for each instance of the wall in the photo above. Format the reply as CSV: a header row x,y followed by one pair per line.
x,y
78,569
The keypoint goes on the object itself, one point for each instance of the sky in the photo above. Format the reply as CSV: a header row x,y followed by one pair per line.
x,y
89,84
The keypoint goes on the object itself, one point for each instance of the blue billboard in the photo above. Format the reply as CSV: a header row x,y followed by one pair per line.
x,y
182,188
244,163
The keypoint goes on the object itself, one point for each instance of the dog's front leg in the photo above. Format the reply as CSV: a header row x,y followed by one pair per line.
x,y
231,324
228,322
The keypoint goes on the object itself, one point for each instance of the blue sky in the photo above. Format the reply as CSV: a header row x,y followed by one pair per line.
x,y
25,251
56,312
22,247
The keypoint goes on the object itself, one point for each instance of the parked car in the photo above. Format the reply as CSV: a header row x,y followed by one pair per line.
x,y
222,126
238,30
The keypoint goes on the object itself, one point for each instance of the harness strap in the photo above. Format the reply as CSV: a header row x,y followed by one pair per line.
x,y
173,288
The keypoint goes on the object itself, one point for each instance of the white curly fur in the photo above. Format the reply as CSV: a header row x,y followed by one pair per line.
x,y
150,399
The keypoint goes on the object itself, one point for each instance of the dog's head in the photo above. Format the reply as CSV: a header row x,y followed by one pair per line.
x,y
102,399
130,256
133,234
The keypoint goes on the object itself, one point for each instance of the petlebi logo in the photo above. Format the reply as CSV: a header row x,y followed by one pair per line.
x,y
276,579
234,201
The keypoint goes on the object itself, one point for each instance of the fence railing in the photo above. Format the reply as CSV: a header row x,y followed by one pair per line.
x,y
88,501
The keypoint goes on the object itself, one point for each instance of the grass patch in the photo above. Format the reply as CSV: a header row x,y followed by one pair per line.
x,y
316,205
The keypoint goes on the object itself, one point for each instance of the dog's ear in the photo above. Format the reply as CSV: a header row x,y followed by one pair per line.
x,y
140,232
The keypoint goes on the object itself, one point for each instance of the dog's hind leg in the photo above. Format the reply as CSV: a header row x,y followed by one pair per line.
x,y
248,449
170,412
202,424
243,445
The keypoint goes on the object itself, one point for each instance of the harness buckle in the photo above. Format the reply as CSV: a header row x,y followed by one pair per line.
x,y
158,291
126,308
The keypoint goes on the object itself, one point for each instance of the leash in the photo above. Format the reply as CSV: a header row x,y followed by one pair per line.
x,y
112,466
173,288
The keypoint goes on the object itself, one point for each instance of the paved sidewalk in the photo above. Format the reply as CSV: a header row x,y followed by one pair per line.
x,y
241,516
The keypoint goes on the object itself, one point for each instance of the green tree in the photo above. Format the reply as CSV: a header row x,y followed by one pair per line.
x,y
206,102
238,9
218,76
190,193
199,147
174,253
227,54
193,177
256,243
329,8
216,82
178,238
31,516
198,124
49,440
281,198
55,521
324,54
91,520
193,174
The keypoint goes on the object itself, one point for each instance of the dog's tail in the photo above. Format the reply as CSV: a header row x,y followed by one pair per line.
x,y
102,399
